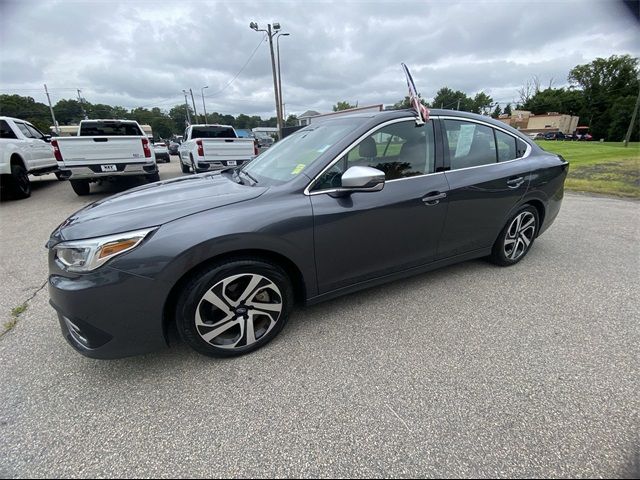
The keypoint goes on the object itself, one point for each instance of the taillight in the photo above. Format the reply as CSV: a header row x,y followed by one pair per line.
x,y
200,148
146,148
255,148
56,150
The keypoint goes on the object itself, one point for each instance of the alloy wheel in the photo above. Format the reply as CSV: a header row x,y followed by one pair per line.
x,y
520,234
238,311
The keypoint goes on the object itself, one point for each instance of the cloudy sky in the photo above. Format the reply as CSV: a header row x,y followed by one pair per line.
x,y
144,53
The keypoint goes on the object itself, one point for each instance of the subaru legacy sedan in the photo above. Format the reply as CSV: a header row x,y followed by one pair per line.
x,y
338,206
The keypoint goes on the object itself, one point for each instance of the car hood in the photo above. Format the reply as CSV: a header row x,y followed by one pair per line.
x,y
152,205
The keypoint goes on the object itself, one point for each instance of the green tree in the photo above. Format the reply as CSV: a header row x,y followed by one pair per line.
x,y
26,108
454,100
497,111
507,109
178,115
68,112
342,106
292,121
481,103
406,103
604,82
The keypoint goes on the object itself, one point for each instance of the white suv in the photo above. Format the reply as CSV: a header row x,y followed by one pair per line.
x,y
24,150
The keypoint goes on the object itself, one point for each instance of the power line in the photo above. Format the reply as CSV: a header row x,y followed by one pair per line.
x,y
240,71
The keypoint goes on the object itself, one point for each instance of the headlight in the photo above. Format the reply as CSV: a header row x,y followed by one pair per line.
x,y
87,255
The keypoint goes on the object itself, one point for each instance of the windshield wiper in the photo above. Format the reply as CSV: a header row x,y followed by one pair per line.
x,y
249,175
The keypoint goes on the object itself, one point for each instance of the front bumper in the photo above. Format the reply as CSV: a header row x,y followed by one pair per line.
x,y
108,313
81,172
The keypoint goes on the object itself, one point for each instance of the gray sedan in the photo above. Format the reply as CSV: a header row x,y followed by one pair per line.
x,y
336,207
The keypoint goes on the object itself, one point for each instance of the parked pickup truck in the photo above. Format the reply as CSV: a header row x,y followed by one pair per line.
x,y
105,150
214,147
24,150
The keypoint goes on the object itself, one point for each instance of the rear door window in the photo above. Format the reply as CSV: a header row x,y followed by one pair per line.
x,y
5,130
35,133
469,144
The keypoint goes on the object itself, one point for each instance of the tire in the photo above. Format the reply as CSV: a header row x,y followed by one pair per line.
x,y
81,187
185,168
18,184
153,177
516,238
232,289
193,164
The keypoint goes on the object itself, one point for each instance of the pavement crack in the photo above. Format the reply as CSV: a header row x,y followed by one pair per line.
x,y
399,418
19,310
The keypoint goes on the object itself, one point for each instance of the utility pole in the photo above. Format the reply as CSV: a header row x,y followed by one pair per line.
x,y
458,107
195,112
270,34
204,107
282,117
633,121
53,117
186,107
84,113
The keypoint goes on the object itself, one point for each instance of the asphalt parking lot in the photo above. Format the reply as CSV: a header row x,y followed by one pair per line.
x,y
472,370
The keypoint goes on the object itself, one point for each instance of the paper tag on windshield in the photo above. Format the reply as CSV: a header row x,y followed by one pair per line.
x,y
298,169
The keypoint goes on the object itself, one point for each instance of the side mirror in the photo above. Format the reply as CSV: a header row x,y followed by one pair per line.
x,y
361,179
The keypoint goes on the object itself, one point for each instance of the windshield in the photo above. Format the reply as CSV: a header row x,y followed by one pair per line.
x,y
289,157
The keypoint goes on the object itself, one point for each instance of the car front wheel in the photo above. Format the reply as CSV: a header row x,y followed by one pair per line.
x,y
516,238
234,307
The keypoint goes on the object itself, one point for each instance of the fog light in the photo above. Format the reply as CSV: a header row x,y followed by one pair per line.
x,y
76,333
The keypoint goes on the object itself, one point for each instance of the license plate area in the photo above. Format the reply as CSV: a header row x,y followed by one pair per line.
x,y
232,163
108,168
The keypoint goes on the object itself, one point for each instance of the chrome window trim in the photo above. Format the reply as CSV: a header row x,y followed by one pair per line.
x,y
307,190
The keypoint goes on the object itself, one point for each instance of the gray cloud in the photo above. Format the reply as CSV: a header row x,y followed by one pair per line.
x,y
144,54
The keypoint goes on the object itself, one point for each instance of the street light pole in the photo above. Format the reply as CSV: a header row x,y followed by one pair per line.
x,y
195,112
270,34
204,107
280,80
186,107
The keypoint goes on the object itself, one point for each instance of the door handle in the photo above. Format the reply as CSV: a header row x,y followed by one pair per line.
x,y
515,182
433,198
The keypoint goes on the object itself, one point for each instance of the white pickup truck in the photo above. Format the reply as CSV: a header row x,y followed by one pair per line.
x,y
24,150
214,147
104,150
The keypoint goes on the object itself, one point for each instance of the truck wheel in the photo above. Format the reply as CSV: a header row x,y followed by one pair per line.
x,y
18,183
185,168
154,177
81,187
193,164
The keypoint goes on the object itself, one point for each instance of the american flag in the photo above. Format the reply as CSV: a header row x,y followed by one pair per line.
x,y
421,110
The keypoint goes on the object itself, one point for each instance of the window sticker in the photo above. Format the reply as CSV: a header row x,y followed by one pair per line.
x,y
465,137
298,169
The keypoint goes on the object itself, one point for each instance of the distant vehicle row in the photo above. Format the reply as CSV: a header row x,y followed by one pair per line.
x,y
104,150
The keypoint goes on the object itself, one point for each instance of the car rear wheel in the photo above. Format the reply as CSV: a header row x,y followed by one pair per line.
x,y
516,238
185,168
234,307
81,187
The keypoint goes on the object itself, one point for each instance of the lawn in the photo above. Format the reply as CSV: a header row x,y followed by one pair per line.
x,y
596,167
